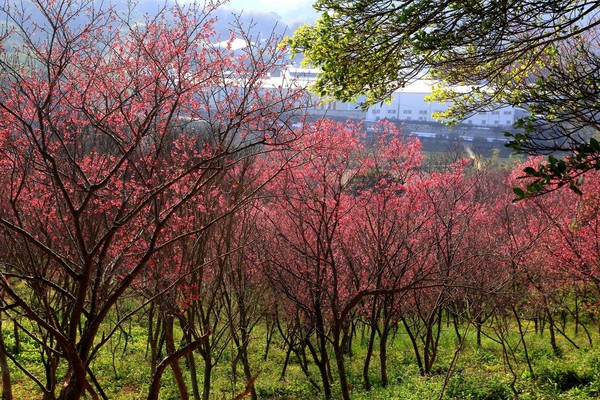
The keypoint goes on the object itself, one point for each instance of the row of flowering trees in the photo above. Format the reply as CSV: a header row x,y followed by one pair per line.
x,y
145,171
362,232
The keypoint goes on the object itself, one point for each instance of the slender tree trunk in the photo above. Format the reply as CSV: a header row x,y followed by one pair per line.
x,y
6,378
247,374
375,312
320,361
576,314
269,338
563,320
50,367
415,345
191,362
383,354
455,323
154,334
285,363
207,379
243,346
587,333
348,338
432,339
186,323
170,346
73,390
370,345
169,360
301,356
521,333
101,392
552,333
323,357
17,348
478,326
339,359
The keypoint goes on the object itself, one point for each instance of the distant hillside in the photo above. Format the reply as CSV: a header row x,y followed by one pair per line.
x,y
261,24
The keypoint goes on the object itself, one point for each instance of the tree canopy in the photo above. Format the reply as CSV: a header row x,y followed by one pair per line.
x,y
541,56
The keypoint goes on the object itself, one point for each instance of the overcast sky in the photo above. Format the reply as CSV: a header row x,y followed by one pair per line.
x,y
291,11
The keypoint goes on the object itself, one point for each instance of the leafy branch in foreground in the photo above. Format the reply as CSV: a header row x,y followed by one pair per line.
x,y
538,56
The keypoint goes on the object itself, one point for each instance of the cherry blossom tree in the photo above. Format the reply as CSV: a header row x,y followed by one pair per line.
x,y
380,243
451,239
565,259
315,213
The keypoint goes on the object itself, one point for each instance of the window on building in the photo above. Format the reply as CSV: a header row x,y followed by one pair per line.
x,y
508,122
422,111
495,112
507,112
391,111
377,111
495,122
483,122
407,112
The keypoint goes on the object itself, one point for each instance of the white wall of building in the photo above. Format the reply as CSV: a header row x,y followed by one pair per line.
x,y
409,104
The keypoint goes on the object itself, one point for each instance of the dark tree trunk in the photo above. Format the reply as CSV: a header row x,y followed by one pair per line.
x,y
366,365
154,335
432,337
478,326
244,325
269,338
339,359
17,348
191,362
168,326
6,379
455,323
552,333
415,345
207,379
285,363
383,355
301,355
522,335
320,360
171,359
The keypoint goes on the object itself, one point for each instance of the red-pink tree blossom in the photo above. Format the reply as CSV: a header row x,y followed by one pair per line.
x,y
319,203
110,128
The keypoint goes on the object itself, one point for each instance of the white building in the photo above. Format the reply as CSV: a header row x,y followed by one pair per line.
x,y
324,107
409,104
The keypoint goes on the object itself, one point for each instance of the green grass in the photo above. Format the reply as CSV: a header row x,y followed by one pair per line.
x,y
478,374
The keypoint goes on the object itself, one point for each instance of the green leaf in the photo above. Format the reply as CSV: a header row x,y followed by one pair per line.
x,y
573,186
520,193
